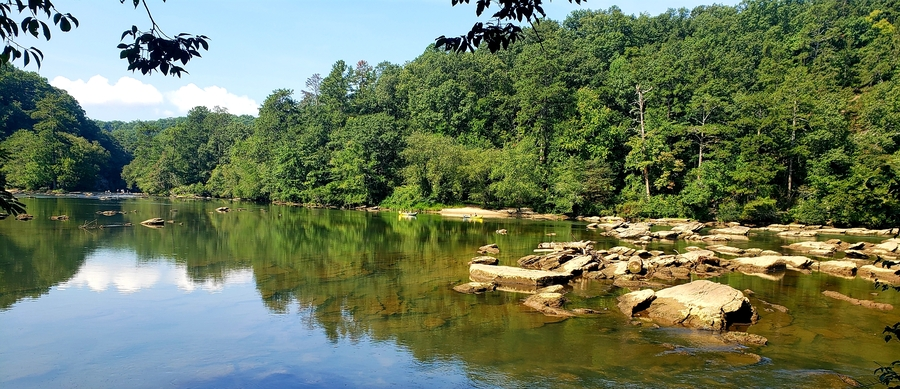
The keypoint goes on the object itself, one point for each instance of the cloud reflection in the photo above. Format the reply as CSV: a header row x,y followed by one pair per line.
x,y
121,270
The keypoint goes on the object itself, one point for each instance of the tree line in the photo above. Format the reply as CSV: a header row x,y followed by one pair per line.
x,y
771,110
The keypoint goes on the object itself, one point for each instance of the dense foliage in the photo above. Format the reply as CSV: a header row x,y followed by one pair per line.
x,y
48,143
770,110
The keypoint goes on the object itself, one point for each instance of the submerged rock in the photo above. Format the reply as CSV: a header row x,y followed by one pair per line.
x,y
475,287
855,301
549,304
744,338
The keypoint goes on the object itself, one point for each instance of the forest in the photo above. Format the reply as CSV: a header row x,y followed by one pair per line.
x,y
771,110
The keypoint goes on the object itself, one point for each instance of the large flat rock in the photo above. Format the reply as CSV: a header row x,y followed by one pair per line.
x,y
703,305
838,268
871,272
508,275
765,264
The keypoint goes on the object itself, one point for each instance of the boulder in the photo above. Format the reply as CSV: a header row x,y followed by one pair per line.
x,y
578,265
24,217
475,287
768,252
703,305
634,302
838,268
485,260
549,304
489,249
759,264
734,230
502,231
59,218
507,275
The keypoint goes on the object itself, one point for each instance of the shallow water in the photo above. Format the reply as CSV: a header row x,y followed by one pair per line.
x,y
276,296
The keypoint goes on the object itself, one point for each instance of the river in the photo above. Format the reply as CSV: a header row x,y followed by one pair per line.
x,y
274,296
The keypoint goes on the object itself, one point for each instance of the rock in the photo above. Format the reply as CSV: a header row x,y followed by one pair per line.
x,y
552,289
856,254
797,262
475,287
768,252
838,268
856,246
59,218
154,222
813,247
633,232
753,252
734,230
485,260
855,301
507,275
743,338
489,249
611,257
223,209
699,256
667,235
549,304
635,265
798,234
634,302
689,227
833,231
889,245
759,264
727,250
577,265
874,273
24,217
703,305
502,231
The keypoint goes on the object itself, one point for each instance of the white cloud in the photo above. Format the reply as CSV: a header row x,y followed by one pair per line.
x,y
190,96
98,91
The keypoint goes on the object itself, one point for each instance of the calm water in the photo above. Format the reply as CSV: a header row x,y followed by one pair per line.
x,y
287,297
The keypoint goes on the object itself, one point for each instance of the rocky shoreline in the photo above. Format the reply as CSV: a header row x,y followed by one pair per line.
x,y
651,274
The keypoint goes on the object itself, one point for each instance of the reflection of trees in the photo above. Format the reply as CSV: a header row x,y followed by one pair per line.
x,y
34,256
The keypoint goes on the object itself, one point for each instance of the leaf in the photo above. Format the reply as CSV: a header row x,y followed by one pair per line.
x,y
27,59
65,26
46,30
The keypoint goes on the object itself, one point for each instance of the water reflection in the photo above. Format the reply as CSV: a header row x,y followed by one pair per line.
x,y
120,269
326,298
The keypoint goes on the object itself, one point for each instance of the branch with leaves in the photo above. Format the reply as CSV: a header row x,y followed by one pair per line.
x,y
500,32
32,25
152,50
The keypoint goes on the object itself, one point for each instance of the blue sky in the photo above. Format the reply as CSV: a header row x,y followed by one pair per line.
x,y
255,48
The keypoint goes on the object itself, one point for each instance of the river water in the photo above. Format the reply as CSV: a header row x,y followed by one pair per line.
x,y
272,296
